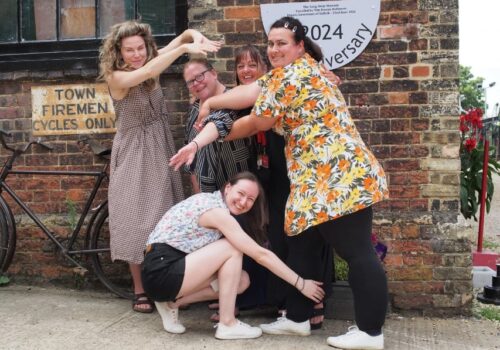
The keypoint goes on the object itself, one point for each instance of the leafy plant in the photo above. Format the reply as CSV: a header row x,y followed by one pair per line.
x,y
72,214
471,93
341,268
490,245
471,160
4,280
490,313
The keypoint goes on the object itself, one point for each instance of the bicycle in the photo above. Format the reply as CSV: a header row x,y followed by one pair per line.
x,y
115,276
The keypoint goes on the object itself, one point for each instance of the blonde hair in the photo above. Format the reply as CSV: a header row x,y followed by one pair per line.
x,y
110,57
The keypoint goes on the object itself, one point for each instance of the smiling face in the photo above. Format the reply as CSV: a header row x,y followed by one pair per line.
x,y
241,196
201,88
248,70
282,48
134,52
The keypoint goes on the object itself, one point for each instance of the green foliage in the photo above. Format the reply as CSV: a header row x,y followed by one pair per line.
x,y
471,180
341,268
491,245
4,280
72,214
471,93
490,312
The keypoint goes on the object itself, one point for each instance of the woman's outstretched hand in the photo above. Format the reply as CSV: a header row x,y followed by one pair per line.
x,y
184,156
312,289
203,47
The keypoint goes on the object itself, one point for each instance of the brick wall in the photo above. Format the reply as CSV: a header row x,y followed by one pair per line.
x,y
52,197
403,93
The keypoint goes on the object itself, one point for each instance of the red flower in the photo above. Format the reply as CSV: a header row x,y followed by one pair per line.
x,y
470,144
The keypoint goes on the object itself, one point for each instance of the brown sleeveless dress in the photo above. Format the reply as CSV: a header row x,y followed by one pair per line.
x,y
142,186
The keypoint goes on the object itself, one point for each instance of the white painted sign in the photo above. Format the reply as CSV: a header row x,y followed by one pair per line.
x,y
343,28
72,109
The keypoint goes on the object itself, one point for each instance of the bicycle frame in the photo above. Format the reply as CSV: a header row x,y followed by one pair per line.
x,y
65,249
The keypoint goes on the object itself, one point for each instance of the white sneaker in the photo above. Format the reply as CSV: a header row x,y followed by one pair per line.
x,y
240,330
356,339
170,318
285,326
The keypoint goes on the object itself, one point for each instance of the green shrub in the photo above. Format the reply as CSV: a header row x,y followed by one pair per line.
x,y
341,268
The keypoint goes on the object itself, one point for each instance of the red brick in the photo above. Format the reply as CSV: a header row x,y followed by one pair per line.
x,y
396,205
225,26
404,192
398,98
417,287
394,260
242,12
48,183
419,45
76,195
419,204
410,260
406,273
420,71
244,26
410,231
412,301
400,151
387,72
398,179
402,165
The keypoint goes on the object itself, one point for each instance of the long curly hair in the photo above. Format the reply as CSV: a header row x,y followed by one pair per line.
x,y
110,57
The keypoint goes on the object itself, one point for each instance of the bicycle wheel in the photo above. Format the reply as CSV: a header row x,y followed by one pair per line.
x,y
7,235
114,275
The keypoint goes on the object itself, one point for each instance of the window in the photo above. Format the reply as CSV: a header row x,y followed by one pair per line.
x,y
62,34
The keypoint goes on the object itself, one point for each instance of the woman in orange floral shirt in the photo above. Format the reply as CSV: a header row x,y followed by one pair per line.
x,y
334,178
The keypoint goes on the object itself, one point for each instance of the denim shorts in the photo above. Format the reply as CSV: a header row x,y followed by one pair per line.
x,y
163,272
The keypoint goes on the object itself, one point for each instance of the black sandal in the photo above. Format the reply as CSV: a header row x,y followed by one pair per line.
x,y
142,299
320,311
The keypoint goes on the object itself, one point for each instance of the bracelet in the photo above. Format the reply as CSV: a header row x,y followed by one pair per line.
x,y
303,285
297,281
196,143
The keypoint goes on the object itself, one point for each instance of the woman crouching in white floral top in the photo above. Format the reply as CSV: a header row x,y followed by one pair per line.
x,y
195,254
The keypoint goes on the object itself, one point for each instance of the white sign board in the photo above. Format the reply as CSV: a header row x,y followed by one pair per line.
x,y
343,28
72,109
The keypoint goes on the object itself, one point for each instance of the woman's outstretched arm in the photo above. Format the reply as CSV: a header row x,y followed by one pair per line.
x,y
243,127
238,98
221,220
124,80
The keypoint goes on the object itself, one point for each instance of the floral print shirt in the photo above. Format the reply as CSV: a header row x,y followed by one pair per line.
x,y
332,172
179,226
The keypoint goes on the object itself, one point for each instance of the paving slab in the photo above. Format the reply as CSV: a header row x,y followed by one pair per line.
x,y
54,318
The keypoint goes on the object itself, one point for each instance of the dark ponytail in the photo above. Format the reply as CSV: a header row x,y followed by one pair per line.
x,y
299,34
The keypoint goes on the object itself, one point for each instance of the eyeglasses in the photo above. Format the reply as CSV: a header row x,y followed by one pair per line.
x,y
198,77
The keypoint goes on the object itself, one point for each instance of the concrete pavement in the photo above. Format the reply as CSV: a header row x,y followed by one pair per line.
x,y
52,318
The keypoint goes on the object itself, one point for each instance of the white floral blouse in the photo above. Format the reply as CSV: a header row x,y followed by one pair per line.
x,y
179,226
332,172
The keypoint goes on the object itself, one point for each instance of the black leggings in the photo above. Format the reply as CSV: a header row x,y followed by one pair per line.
x,y
350,236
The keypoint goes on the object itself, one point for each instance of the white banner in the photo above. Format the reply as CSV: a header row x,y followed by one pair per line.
x,y
343,28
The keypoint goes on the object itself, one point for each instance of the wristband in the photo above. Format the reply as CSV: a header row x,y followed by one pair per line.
x,y
196,143
297,281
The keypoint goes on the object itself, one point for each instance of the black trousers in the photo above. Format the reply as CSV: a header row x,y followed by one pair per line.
x,y
350,236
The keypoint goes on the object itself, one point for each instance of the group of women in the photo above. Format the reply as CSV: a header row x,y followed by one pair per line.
x,y
194,251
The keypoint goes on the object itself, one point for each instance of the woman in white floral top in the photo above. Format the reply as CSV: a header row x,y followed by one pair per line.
x,y
334,178
195,253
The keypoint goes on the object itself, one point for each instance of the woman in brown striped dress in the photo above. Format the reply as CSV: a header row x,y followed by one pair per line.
x,y
142,187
